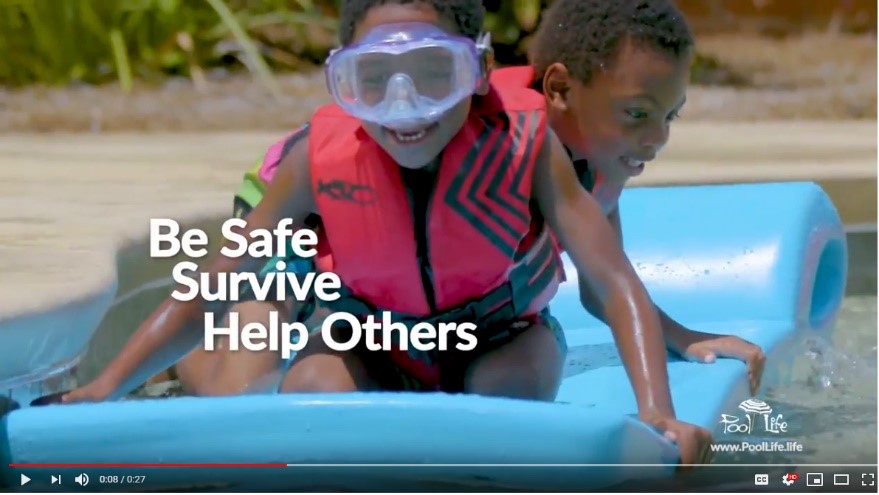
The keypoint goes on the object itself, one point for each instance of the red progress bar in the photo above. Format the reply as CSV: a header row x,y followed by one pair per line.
x,y
142,465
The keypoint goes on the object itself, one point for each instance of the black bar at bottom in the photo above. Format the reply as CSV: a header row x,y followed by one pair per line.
x,y
425,478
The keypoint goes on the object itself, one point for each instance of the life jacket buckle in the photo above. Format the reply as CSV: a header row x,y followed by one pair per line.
x,y
496,306
463,314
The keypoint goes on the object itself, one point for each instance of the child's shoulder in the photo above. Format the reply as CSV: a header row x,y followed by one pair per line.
x,y
503,98
279,150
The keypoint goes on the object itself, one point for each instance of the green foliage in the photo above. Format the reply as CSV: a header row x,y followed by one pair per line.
x,y
511,22
93,41
58,42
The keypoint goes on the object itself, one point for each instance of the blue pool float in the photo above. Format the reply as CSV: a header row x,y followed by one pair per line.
x,y
766,262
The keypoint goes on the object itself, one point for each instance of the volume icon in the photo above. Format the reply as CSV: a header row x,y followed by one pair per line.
x,y
82,479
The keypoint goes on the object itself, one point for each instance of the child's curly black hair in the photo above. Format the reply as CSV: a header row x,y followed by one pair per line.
x,y
585,34
466,15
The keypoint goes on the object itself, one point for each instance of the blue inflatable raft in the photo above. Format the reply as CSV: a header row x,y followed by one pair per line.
x,y
764,262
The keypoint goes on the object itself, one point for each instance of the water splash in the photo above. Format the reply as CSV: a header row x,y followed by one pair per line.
x,y
824,364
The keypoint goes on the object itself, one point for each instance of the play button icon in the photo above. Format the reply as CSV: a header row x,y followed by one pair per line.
x,y
24,480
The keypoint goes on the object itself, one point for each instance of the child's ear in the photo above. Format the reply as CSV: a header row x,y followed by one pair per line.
x,y
556,85
486,62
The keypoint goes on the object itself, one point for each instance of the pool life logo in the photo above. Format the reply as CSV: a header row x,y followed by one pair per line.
x,y
758,416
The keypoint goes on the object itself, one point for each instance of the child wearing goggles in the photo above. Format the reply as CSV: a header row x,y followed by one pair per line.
x,y
436,193
585,79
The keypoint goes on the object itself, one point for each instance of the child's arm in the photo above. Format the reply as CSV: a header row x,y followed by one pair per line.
x,y
687,343
701,346
175,327
583,230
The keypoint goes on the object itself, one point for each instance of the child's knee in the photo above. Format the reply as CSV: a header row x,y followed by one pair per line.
x,y
528,367
498,377
258,311
212,386
319,377
320,369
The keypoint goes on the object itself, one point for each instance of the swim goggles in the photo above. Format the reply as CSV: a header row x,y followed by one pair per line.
x,y
405,75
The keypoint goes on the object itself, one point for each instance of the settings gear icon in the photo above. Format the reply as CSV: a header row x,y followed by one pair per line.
x,y
789,478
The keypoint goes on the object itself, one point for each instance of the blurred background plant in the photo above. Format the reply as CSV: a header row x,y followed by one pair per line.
x,y
59,42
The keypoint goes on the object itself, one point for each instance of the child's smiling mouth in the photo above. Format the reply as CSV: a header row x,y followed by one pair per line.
x,y
633,165
410,136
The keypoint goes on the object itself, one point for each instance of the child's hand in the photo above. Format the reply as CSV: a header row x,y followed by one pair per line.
x,y
706,348
92,392
694,442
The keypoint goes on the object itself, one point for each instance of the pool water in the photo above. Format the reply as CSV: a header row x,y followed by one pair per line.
x,y
829,398
829,402
829,394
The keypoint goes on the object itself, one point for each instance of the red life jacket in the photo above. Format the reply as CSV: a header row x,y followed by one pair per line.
x,y
487,253
519,76
522,76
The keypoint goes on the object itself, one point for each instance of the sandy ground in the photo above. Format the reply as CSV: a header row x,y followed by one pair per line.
x,y
67,201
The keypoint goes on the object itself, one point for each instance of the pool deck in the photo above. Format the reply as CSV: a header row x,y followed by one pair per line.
x,y
68,202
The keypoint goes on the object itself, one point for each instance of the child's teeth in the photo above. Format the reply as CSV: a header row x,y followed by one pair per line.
x,y
411,137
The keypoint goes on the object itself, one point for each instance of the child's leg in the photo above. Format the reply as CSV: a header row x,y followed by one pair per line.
x,y
224,371
199,365
529,365
319,368
203,372
221,371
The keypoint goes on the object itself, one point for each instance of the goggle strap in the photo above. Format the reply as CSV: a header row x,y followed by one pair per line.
x,y
483,42
332,52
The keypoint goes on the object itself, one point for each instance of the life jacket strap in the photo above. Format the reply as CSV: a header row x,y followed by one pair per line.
x,y
494,307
